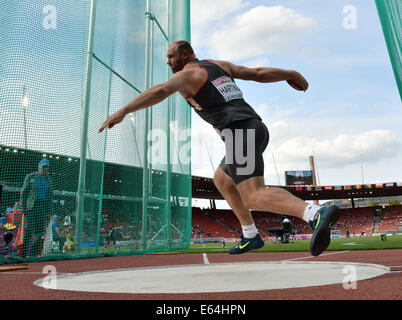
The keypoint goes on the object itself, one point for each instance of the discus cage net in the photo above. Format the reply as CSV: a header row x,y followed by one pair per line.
x,y
65,66
390,13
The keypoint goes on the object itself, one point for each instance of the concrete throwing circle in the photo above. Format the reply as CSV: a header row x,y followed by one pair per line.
x,y
219,277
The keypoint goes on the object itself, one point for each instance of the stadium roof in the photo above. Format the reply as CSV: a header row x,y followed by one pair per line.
x,y
204,188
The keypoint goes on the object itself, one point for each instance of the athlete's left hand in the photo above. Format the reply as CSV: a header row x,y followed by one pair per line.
x,y
298,82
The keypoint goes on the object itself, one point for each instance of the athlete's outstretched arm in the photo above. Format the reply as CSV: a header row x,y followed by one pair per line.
x,y
267,75
148,98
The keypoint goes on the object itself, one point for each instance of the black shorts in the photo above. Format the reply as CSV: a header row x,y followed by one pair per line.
x,y
245,142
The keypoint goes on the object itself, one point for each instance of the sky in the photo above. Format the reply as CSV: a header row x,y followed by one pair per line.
x,y
349,119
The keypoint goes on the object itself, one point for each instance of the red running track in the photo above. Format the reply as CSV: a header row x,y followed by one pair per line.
x,y
18,285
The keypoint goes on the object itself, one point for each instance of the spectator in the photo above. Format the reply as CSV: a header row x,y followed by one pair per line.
x,y
15,218
112,237
3,219
57,236
36,203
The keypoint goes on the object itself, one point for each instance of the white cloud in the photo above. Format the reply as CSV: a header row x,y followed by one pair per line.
x,y
341,151
202,15
337,159
261,30
282,131
205,21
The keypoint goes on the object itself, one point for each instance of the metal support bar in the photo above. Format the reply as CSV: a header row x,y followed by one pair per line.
x,y
178,230
109,97
158,200
168,208
84,134
148,76
115,73
130,85
153,18
153,238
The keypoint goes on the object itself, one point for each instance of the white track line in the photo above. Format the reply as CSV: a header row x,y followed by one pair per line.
x,y
204,257
309,257
394,271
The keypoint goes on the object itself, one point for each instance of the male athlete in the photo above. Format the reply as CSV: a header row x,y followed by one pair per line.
x,y
209,87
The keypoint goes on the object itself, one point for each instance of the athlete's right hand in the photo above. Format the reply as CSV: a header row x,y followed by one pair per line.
x,y
297,81
112,120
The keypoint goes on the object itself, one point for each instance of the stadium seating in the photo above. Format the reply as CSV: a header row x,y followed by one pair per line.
x,y
207,223
392,220
358,221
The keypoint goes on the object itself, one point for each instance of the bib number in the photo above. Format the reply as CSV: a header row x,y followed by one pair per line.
x,y
228,88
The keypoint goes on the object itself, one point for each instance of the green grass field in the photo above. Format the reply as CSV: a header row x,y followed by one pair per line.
x,y
337,244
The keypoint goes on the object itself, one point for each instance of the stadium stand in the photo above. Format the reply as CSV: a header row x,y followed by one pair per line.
x,y
391,221
228,220
205,223
358,221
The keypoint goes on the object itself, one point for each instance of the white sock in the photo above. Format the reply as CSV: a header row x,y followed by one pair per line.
x,y
249,231
310,211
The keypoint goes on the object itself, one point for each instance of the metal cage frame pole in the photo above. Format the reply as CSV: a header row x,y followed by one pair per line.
x,y
168,208
187,36
84,133
385,8
109,97
148,76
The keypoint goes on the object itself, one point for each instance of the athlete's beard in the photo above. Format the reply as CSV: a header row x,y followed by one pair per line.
x,y
179,65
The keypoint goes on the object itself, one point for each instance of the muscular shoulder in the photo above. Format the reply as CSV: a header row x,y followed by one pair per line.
x,y
224,65
236,71
199,70
194,70
194,76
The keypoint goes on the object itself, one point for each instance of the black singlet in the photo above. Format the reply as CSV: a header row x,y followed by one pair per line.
x,y
220,101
